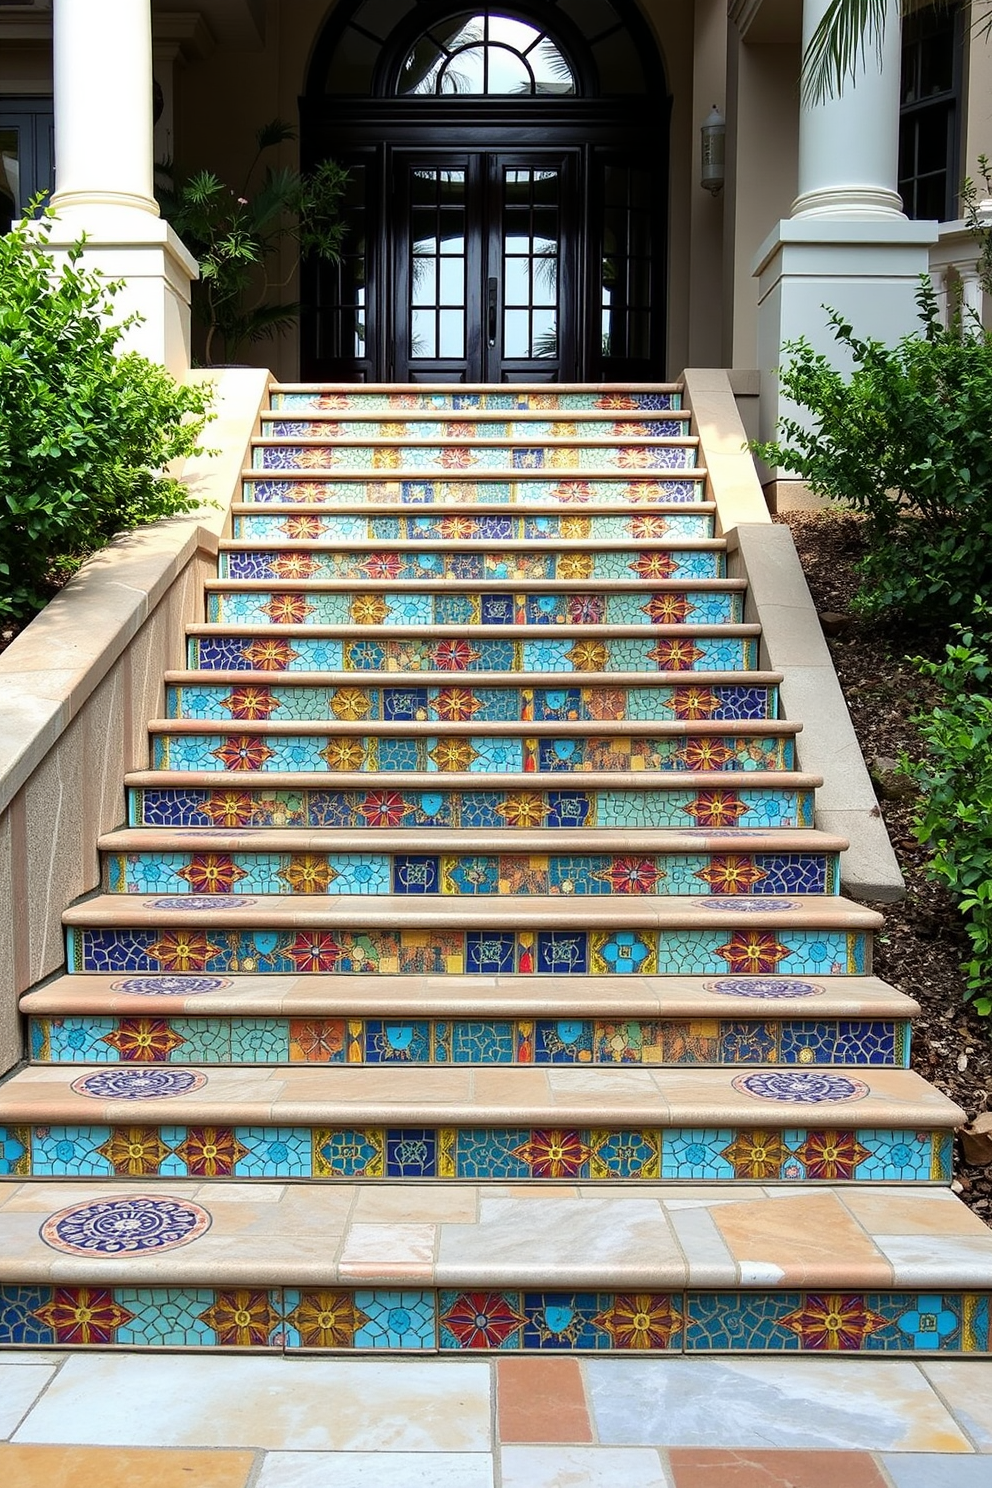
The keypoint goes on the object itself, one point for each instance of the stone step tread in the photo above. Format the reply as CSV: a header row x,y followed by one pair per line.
x,y
471,508
556,1096
654,728
555,681
478,586
613,780
464,840
412,997
758,1238
427,912
352,389
537,545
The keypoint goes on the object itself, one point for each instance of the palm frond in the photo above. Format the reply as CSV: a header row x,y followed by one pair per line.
x,y
848,29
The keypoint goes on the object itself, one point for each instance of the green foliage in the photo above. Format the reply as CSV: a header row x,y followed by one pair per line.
x,y
904,440
236,236
84,434
955,817
981,231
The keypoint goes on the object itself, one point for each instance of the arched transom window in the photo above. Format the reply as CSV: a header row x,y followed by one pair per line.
x,y
485,52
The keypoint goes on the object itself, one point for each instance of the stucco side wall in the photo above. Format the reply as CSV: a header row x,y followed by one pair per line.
x,y
79,686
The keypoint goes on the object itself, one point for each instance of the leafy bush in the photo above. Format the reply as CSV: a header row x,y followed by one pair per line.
x,y
84,434
904,441
955,816
235,234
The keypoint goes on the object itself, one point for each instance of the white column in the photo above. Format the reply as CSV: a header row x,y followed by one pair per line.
x,y
103,105
849,144
104,172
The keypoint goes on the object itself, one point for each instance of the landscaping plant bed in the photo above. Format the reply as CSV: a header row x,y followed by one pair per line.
x,y
923,943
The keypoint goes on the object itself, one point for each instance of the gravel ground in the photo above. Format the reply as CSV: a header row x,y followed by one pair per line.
x,y
921,948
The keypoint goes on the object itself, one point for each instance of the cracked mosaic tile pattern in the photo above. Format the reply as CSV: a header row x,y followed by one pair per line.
x,y
333,1319
757,875
523,431
539,562
524,952
441,457
286,607
518,490
473,754
94,1039
501,401
485,527
484,1154
174,806
454,702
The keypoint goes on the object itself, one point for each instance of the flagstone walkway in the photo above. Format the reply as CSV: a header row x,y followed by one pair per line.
x,y
166,1421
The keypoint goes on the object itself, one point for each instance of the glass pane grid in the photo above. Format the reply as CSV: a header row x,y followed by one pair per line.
x,y
530,263
437,265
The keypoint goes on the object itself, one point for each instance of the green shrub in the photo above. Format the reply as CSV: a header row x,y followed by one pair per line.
x,y
84,433
904,440
954,818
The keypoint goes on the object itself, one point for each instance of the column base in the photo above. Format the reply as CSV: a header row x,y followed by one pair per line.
x,y
155,265
866,269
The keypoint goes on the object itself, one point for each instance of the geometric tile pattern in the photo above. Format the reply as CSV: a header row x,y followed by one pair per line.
x,y
103,1039
337,1319
690,952
643,455
521,1154
468,875
501,400
457,561
381,490
522,430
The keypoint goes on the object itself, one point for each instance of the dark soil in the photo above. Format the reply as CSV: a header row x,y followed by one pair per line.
x,y
923,944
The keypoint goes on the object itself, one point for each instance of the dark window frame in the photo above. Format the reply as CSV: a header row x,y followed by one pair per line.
x,y
938,112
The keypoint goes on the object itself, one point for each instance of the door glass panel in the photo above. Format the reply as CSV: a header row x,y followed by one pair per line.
x,y
530,239
437,264
10,172
341,303
626,328
484,52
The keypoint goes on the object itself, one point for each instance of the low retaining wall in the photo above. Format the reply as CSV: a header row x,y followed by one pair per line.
x,y
792,642
77,689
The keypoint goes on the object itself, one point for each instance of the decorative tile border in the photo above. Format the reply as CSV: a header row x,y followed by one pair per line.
x,y
517,490
384,1320
502,401
539,562
340,607
786,952
524,431
481,754
93,1039
459,702
476,1155
471,875
439,457
507,526
717,809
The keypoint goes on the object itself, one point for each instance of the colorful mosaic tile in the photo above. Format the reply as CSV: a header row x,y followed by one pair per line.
x,y
451,952
489,1154
540,561
437,457
413,400
460,702
663,488
274,524
475,754
474,429
197,806
836,1322
132,1225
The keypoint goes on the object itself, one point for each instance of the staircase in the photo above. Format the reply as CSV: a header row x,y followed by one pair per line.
x,y
470,973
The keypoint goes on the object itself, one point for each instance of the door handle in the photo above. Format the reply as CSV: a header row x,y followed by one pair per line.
x,y
492,288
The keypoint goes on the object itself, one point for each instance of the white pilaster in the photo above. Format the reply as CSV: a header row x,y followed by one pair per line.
x,y
847,245
103,174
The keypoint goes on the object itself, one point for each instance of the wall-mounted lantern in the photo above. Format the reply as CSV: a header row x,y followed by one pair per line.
x,y
713,140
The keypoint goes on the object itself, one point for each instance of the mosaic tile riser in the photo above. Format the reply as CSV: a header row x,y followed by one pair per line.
x,y
274,525
93,1039
518,491
289,607
465,563
368,699
477,754
442,457
471,875
524,430
781,951
333,1319
498,401
477,1155
719,808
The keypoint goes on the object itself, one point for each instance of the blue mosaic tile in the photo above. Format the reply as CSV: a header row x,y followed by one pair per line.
x,y
396,1320
411,1153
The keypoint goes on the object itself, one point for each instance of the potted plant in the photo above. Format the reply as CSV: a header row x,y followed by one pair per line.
x,y
236,234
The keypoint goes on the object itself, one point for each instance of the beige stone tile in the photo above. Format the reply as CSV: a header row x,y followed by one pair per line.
x,y
111,1467
311,1405
907,1211
965,1387
411,1203
953,1260
20,1386
812,1241
592,1467
376,1470
390,1250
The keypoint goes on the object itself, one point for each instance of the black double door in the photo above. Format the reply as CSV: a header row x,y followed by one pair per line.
x,y
484,266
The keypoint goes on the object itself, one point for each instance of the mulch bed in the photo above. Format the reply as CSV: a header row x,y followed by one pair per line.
x,y
921,948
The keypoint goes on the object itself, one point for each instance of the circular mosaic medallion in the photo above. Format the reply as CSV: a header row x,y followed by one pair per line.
x,y
747,904
170,986
768,987
800,1087
141,1082
201,901
125,1226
